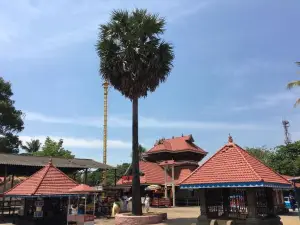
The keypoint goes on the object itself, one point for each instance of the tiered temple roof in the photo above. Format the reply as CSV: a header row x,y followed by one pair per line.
x,y
178,151
176,148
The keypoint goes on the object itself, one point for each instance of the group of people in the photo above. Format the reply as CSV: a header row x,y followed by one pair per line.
x,y
121,204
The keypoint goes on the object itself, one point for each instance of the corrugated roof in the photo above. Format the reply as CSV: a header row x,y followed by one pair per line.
x,y
40,161
233,164
47,181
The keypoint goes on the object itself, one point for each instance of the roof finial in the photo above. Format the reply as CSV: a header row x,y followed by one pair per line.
x,y
230,139
181,135
50,161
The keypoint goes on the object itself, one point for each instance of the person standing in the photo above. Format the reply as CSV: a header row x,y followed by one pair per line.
x,y
147,203
292,202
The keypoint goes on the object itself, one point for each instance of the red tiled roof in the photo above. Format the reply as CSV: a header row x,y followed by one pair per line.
x,y
233,164
81,188
184,143
154,174
47,181
184,173
290,177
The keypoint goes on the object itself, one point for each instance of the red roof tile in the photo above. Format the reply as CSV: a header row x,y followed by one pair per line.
x,y
154,174
47,181
184,173
184,143
233,164
290,177
81,188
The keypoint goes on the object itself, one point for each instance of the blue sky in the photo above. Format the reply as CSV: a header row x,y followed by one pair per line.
x,y
233,60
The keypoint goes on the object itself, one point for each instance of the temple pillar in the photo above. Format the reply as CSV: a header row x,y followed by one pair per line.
x,y
251,199
202,219
173,186
166,186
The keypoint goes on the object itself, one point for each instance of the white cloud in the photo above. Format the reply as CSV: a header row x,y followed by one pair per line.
x,y
269,100
37,28
115,121
73,142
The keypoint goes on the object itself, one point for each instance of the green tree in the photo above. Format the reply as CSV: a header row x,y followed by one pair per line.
x,y
11,121
141,151
134,60
31,146
293,84
263,154
55,149
286,159
95,177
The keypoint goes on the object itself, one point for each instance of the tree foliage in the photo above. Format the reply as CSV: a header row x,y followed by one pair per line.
x,y
31,146
134,58
284,159
11,121
53,148
262,153
293,84
95,177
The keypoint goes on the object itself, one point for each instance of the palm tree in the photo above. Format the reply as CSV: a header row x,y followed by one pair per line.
x,y
293,84
134,60
31,146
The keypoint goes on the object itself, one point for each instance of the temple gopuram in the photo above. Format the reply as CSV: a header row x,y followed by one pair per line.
x,y
236,188
166,164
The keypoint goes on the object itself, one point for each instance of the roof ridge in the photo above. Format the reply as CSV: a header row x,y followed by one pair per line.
x,y
239,149
263,163
46,170
214,155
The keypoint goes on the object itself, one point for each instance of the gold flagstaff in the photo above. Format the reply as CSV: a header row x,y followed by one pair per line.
x,y
105,86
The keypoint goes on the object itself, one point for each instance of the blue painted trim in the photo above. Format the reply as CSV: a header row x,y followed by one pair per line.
x,y
236,185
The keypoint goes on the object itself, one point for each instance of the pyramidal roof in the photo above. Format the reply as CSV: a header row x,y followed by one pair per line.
x,y
233,166
176,144
47,181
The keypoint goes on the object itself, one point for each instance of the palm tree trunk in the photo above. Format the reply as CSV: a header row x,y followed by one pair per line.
x,y
136,191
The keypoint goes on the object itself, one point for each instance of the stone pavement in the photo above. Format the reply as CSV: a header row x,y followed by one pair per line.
x,y
188,215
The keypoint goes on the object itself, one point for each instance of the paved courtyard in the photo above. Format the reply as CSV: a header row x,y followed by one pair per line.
x,y
188,215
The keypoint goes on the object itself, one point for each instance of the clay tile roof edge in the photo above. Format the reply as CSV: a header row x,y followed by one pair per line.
x,y
248,164
235,145
263,163
204,163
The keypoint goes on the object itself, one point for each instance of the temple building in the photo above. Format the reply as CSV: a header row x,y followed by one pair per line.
x,y
236,188
166,164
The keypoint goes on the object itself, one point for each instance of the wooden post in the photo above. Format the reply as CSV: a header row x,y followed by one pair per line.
x,y
4,187
173,186
251,198
115,177
166,186
85,176
11,186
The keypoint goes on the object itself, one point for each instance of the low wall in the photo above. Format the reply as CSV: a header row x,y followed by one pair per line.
x,y
151,218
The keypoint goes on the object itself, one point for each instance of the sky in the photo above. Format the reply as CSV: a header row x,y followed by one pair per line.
x,y
233,60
